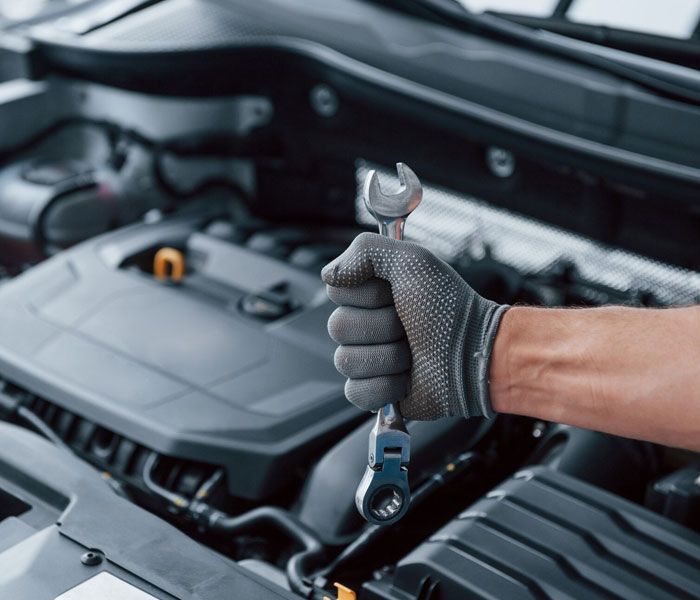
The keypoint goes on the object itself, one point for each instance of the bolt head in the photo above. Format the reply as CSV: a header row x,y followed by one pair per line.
x,y
500,162
324,100
91,558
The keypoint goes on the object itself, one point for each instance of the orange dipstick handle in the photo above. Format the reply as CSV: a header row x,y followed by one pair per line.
x,y
169,265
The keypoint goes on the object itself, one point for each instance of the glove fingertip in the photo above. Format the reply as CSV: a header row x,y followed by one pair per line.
x,y
356,394
373,393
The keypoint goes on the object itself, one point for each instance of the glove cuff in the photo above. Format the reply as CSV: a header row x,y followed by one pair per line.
x,y
478,345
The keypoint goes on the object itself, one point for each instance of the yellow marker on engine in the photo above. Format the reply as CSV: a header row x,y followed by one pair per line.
x,y
344,593
169,265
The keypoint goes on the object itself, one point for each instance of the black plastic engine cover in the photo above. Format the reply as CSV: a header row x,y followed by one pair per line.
x,y
179,368
64,535
543,534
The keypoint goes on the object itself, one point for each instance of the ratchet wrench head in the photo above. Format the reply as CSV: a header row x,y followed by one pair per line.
x,y
392,206
383,497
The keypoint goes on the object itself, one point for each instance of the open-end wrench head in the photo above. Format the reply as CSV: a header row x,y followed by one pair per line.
x,y
401,204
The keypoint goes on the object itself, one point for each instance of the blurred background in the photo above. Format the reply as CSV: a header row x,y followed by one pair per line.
x,y
675,19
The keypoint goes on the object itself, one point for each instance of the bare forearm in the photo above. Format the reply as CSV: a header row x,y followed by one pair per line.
x,y
631,372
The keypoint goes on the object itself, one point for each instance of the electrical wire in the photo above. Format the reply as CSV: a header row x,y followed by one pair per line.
x,y
35,421
26,145
205,490
207,518
25,414
175,501
373,532
301,562
213,146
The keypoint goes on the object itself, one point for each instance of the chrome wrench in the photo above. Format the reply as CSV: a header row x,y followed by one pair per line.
x,y
383,495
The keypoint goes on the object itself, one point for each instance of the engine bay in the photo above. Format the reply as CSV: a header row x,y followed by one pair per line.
x,y
164,327
210,397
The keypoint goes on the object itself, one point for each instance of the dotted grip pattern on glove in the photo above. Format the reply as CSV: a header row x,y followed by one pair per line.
x,y
410,330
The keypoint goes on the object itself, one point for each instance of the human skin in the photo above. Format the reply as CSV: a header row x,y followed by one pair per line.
x,y
632,372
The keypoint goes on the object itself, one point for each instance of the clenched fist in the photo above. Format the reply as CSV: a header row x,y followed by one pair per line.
x,y
410,330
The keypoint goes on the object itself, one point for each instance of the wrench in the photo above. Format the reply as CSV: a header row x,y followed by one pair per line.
x,y
383,495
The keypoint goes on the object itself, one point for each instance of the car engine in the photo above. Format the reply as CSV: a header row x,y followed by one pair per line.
x,y
163,326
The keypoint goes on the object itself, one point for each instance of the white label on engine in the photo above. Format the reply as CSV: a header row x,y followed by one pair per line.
x,y
105,586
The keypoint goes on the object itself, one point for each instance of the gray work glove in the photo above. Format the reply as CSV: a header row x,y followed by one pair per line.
x,y
410,330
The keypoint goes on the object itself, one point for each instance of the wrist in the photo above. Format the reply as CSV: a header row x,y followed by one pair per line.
x,y
543,359
501,377
482,323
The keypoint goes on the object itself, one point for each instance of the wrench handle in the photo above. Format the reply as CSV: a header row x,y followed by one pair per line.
x,y
391,228
384,495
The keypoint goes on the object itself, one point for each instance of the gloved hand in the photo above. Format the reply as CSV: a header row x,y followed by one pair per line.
x,y
410,330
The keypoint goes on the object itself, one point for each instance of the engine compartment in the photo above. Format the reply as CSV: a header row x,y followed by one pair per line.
x,y
189,367
163,322
211,399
